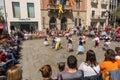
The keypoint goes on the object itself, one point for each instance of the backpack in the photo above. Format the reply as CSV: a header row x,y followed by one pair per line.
x,y
115,75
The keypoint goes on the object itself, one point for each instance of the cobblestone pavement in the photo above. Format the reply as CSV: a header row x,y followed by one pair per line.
x,y
35,55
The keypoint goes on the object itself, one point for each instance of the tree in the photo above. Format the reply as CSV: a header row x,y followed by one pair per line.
x,y
1,15
0,11
116,12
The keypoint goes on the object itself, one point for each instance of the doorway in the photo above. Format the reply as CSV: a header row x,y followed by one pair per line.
x,y
63,23
25,27
52,23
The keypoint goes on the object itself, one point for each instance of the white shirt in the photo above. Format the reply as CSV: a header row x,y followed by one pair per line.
x,y
96,39
67,34
46,43
26,36
103,33
83,38
88,70
117,57
107,43
57,39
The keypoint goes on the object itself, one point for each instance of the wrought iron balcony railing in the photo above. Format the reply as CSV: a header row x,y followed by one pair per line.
x,y
98,17
50,6
56,6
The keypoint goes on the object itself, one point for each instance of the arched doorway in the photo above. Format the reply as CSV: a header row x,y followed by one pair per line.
x,y
63,23
52,22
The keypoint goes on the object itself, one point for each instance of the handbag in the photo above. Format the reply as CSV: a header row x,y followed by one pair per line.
x,y
98,76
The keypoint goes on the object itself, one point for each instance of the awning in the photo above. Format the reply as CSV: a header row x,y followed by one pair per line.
x,y
1,26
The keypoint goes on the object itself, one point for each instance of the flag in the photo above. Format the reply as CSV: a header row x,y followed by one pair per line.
x,y
62,2
51,1
71,2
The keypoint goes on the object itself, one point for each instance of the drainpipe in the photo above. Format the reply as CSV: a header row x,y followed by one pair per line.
x,y
6,26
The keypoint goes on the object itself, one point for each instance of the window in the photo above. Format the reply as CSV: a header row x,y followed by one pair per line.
x,y
93,13
79,22
103,14
77,4
75,21
16,9
30,8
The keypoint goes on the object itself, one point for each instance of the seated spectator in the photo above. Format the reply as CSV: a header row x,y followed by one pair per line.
x,y
61,67
26,36
69,45
109,64
53,42
92,33
46,43
71,73
46,71
84,38
117,49
107,42
90,67
3,56
80,49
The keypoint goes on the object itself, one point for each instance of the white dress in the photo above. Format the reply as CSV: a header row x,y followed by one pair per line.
x,y
88,70
46,43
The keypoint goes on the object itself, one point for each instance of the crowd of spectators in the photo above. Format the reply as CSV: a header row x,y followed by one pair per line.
x,y
10,52
10,47
88,69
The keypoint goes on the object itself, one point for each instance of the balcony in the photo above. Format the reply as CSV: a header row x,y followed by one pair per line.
x,y
56,7
67,7
98,17
95,17
94,1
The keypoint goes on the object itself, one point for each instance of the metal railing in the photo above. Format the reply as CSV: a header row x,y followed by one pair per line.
x,y
51,6
98,17
56,6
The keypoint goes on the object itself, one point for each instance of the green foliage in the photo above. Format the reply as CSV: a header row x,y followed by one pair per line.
x,y
1,15
117,12
1,11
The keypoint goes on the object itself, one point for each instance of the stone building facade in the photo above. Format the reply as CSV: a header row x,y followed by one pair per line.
x,y
83,12
97,13
23,15
73,15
